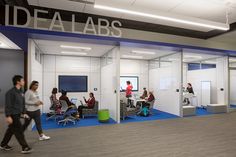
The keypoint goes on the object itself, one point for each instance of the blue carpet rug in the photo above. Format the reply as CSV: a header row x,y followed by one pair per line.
x,y
88,121
202,112
157,115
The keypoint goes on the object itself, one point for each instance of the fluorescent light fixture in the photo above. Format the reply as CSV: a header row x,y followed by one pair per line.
x,y
173,59
212,25
74,53
76,47
192,56
143,52
134,57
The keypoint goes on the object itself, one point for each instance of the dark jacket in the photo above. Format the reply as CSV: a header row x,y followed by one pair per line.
x,y
66,99
15,102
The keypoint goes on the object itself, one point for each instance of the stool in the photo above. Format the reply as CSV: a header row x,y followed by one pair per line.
x,y
189,110
217,108
103,116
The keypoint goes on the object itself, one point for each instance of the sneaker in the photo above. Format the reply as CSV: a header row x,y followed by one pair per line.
x,y
26,150
44,137
6,147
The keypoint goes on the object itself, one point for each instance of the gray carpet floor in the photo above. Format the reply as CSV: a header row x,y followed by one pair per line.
x,y
206,136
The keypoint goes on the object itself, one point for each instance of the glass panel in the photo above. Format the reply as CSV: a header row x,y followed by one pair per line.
x,y
166,81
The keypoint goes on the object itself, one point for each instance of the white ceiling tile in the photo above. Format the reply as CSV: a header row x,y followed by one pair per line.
x,y
62,4
159,5
201,9
91,10
33,2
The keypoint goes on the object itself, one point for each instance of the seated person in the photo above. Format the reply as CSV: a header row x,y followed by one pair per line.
x,y
71,106
89,104
149,99
145,93
189,90
66,99
56,105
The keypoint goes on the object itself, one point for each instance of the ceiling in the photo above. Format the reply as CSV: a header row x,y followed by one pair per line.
x,y
54,47
6,43
127,50
213,10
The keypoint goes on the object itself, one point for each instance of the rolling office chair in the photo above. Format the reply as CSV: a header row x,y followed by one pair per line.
x,y
53,112
67,114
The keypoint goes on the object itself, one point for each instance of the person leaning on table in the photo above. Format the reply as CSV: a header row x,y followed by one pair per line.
x,y
14,109
33,103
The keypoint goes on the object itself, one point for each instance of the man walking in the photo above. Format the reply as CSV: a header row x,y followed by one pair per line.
x,y
14,110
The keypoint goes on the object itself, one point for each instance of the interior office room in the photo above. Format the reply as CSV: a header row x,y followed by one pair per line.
x,y
155,69
77,67
115,78
207,74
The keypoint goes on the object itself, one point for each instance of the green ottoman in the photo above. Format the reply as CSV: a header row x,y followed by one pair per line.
x,y
103,116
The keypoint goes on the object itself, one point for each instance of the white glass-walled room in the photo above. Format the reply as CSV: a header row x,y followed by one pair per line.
x,y
207,73
56,63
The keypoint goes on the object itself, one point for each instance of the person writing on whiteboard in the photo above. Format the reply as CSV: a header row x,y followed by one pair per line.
x,y
128,93
89,104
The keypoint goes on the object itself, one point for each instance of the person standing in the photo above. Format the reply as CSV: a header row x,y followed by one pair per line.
x,y
14,110
32,104
128,93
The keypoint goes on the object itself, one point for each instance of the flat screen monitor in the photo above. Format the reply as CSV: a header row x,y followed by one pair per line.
x,y
132,79
73,83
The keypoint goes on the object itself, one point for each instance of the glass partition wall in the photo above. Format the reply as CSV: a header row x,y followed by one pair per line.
x,y
232,83
206,74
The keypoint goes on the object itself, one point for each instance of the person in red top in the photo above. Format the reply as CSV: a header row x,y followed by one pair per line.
x,y
128,92
150,97
89,104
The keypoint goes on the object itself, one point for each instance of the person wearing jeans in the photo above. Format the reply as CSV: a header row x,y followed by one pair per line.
x,y
14,110
33,103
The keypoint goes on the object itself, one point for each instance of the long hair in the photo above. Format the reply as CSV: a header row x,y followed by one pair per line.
x,y
54,91
33,83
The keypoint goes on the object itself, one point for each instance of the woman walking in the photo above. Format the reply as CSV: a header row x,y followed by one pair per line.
x,y
32,104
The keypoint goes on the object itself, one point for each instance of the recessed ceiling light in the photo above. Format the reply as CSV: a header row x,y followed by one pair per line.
x,y
200,22
134,57
76,47
74,53
143,52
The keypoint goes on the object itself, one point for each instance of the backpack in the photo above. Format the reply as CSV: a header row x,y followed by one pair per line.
x,y
144,112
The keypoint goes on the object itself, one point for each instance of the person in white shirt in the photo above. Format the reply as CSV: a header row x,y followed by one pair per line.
x,y
33,104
